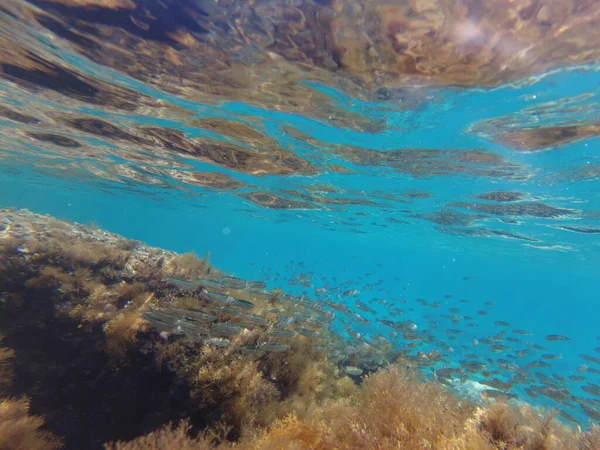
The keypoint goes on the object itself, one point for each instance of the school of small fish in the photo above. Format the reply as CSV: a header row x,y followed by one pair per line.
x,y
362,333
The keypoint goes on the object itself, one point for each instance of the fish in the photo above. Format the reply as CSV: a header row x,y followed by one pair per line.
x,y
250,350
209,285
184,285
592,388
254,318
472,366
351,293
499,348
274,347
589,358
309,333
557,337
535,346
194,314
496,394
257,285
341,307
522,332
243,304
592,413
360,319
225,329
354,371
502,323
536,365
281,333
245,325
233,284
284,321
567,416
223,299
191,330
360,305
160,320
218,342
551,357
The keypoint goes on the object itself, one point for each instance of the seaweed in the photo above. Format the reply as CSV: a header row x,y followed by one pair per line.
x,y
19,430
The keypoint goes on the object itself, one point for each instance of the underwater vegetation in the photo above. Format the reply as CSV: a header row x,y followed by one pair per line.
x,y
108,343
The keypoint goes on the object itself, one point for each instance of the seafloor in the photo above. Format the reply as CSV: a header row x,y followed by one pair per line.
x,y
109,343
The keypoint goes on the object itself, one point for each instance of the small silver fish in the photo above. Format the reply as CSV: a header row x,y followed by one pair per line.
x,y
254,318
194,314
218,342
274,347
351,293
225,329
309,333
223,299
244,304
281,333
257,284
283,322
182,284
191,330
234,284
250,350
245,325
354,371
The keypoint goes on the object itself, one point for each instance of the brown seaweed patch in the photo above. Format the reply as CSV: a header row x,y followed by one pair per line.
x,y
214,180
101,128
501,196
28,69
450,217
458,43
328,200
523,210
108,4
225,154
535,139
432,162
20,430
273,201
585,172
239,131
483,232
17,116
56,139
337,168
579,229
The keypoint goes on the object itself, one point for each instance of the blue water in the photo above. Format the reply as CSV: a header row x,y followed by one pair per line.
x,y
546,284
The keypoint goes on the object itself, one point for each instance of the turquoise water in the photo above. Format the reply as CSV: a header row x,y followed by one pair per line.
x,y
382,233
